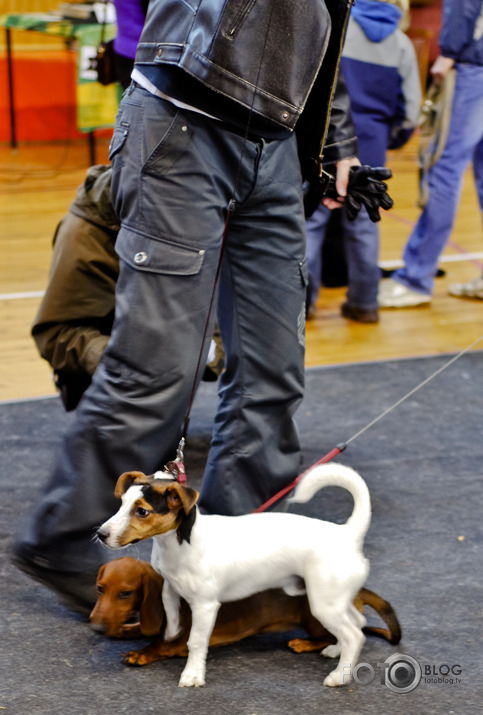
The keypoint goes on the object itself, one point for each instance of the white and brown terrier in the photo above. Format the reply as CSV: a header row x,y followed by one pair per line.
x,y
210,559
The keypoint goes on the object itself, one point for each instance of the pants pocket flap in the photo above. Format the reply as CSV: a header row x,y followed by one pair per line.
x,y
158,255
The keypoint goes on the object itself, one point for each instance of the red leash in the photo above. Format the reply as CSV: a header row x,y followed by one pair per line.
x,y
279,495
177,470
340,447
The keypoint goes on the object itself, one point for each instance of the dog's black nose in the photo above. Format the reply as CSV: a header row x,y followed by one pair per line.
x,y
98,628
102,534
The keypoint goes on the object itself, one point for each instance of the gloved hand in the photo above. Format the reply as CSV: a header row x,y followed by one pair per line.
x,y
366,188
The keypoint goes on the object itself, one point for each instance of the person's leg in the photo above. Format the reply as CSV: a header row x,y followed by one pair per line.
x,y
478,172
435,223
131,416
474,287
255,449
361,241
315,228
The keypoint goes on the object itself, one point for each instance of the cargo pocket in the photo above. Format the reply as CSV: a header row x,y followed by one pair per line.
x,y
118,140
302,317
119,188
304,272
157,255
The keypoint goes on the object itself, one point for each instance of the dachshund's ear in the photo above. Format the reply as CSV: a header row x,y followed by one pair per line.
x,y
151,611
100,573
181,497
125,481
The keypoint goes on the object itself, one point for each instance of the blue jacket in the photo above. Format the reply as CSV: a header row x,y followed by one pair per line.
x,y
461,36
381,72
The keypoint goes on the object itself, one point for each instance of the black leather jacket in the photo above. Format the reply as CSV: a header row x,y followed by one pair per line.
x,y
277,59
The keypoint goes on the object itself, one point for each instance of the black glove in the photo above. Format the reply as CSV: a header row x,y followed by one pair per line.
x,y
365,188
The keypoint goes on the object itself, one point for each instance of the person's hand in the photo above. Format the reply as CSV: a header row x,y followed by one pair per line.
x,y
440,68
343,168
366,187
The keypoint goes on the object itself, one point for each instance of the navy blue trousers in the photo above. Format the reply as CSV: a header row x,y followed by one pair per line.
x,y
445,182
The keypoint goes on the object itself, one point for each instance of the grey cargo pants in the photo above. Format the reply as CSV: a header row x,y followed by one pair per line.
x,y
174,175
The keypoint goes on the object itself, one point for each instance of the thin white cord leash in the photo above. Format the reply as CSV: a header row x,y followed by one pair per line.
x,y
414,390
340,447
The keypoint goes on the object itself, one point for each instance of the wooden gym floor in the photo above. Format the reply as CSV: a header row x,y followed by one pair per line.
x,y
38,182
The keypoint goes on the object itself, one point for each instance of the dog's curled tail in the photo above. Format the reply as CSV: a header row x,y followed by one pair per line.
x,y
338,475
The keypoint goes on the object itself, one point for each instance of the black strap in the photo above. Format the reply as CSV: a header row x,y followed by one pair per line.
x,y
184,432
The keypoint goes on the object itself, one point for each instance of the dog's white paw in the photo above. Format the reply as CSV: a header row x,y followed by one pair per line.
x,y
333,680
191,679
332,651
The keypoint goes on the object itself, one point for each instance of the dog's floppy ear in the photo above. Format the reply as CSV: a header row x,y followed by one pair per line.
x,y
181,497
151,611
100,573
125,481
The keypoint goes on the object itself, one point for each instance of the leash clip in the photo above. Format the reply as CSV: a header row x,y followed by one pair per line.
x,y
176,467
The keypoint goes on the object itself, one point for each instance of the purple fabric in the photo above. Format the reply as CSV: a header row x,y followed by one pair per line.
x,y
130,21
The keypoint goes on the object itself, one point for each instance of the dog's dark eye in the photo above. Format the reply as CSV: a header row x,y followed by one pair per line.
x,y
143,513
100,590
125,594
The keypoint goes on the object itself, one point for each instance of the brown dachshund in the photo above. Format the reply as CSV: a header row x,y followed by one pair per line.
x,y
129,601
129,606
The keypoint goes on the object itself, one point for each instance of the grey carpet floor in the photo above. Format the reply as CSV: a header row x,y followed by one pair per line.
x,y
423,463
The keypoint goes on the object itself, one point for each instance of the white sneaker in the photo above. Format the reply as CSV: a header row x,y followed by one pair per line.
x,y
471,289
395,295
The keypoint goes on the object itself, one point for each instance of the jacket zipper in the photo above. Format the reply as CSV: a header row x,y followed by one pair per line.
x,y
240,16
334,82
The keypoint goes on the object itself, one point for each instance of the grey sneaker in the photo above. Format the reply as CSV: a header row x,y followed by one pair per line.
x,y
396,295
471,289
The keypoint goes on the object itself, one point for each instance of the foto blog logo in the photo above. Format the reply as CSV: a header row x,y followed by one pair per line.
x,y
402,673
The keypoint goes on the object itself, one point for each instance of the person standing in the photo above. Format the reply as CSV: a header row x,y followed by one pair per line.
x,y
381,72
228,109
461,46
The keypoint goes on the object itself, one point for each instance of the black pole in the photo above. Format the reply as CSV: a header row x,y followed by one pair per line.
x,y
13,129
